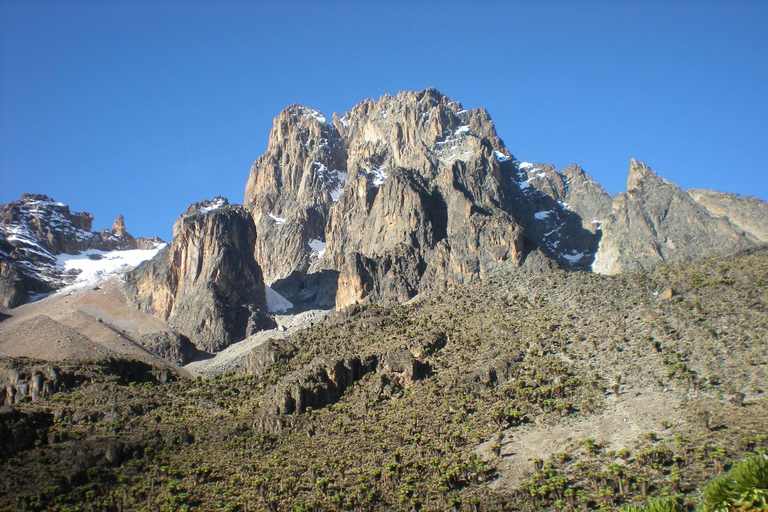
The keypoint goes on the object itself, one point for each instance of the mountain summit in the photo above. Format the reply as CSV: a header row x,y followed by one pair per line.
x,y
413,193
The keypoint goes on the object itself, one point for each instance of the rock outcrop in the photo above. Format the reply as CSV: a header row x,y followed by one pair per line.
x,y
560,211
266,354
426,203
206,283
34,230
656,221
413,193
747,213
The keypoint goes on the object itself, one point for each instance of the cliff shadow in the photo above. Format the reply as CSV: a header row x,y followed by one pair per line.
x,y
309,291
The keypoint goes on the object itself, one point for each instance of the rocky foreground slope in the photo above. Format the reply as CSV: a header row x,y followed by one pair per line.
x,y
531,390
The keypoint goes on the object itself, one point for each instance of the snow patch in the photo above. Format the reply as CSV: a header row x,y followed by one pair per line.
x,y
542,215
525,165
462,129
314,114
278,220
93,265
276,303
215,204
341,178
573,258
317,248
320,169
378,175
501,157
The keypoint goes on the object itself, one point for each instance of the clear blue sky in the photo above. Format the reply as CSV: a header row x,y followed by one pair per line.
x,y
142,108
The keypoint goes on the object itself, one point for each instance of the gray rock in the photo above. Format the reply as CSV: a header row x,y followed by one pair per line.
x,y
169,345
747,213
656,221
266,354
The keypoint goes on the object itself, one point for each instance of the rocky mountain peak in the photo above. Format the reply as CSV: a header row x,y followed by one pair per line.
x,y
656,221
641,177
388,172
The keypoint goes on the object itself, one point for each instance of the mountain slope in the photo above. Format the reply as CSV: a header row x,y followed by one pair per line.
x,y
400,196
429,405
656,221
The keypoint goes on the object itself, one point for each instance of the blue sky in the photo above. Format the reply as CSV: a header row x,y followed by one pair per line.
x,y
142,108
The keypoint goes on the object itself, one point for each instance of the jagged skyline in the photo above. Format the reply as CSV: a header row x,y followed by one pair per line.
x,y
122,109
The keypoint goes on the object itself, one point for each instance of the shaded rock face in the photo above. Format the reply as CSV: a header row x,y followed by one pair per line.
x,y
655,221
427,202
400,196
169,345
206,283
33,230
560,211
747,213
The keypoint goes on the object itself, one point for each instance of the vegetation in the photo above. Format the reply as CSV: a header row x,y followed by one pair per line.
x,y
515,355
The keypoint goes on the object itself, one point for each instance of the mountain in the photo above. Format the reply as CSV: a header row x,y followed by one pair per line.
x,y
404,196
35,233
656,221
413,194
748,213
401,315
400,196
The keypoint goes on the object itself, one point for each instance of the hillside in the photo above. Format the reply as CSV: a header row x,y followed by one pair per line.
x,y
612,387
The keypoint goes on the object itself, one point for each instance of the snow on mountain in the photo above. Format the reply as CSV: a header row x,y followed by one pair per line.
x,y
214,204
92,266
276,303
318,249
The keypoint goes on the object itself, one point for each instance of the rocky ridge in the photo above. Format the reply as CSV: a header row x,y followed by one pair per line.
x,y
748,213
408,194
402,196
34,230
656,221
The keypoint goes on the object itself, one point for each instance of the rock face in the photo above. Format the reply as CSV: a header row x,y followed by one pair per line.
x,y
35,229
748,213
560,211
655,221
206,283
399,196
291,188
